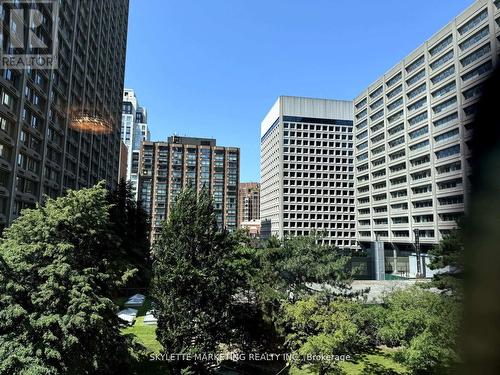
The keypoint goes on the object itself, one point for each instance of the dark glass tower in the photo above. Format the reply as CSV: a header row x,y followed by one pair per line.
x,y
41,152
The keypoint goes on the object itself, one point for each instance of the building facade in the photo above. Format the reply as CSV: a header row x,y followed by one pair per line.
x,y
41,153
249,202
166,168
307,178
412,133
135,130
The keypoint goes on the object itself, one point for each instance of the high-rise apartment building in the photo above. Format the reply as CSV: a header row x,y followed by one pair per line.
x,y
307,178
249,202
166,168
42,152
413,128
134,131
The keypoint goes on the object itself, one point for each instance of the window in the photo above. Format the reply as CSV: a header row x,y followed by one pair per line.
x,y
419,132
399,193
377,115
446,120
395,117
397,141
398,181
420,160
421,175
447,168
476,55
450,151
423,218
362,135
444,105
394,80
395,92
377,127
444,90
395,104
445,136
418,104
378,150
417,77
361,114
474,39
414,93
361,104
419,145
378,138
443,75
377,104
362,125
414,65
442,60
473,91
378,161
418,118
397,155
362,146
6,100
377,92
422,204
479,71
446,201
473,22
471,109
441,45
396,129
450,184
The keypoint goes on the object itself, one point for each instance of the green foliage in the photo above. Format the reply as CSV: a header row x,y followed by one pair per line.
x,y
130,226
57,271
319,327
193,283
426,325
449,253
299,267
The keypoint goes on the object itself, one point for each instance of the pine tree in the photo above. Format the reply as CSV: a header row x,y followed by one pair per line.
x,y
192,286
131,227
56,275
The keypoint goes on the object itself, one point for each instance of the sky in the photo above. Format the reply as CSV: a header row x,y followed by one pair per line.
x,y
213,68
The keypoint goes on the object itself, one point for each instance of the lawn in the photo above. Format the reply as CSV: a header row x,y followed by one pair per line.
x,y
381,360
145,335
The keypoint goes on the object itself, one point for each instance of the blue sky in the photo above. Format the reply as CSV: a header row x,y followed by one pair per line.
x,y
214,68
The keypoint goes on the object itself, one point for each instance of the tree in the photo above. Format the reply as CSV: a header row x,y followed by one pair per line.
x,y
57,272
320,329
130,226
193,285
448,255
426,325
299,267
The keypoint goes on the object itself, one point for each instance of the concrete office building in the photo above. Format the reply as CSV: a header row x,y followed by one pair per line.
x,y
135,130
166,168
249,202
412,133
43,149
307,178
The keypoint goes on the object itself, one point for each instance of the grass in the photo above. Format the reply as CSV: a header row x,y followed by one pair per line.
x,y
381,360
145,336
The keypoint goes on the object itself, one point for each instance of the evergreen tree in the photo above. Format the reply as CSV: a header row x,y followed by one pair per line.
x,y
449,255
130,226
193,284
57,272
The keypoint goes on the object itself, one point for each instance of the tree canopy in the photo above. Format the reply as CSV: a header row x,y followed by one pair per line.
x,y
57,272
